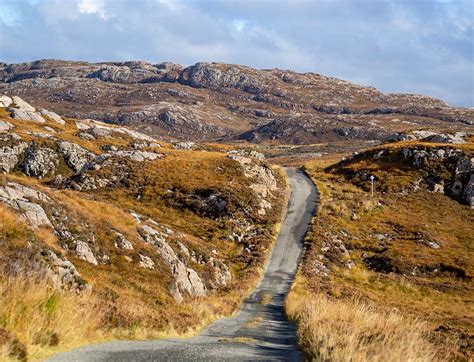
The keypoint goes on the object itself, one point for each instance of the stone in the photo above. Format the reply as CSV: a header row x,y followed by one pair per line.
x,y
5,126
5,101
81,126
33,213
84,252
184,145
469,192
146,262
23,105
61,272
75,156
39,161
25,115
138,156
121,242
52,116
20,198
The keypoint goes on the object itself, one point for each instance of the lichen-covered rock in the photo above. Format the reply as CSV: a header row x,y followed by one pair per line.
x,y
75,156
264,180
469,192
23,105
138,156
39,161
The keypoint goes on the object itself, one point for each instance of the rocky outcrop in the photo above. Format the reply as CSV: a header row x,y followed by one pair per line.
x,y
75,156
186,280
39,161
52,116
61,272
11,152
264,181
27,201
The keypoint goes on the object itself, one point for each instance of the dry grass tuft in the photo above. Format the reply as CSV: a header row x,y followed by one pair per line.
x,y
43,318
351,330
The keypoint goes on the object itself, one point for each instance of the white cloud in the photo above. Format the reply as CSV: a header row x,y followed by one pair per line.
x,y
96,7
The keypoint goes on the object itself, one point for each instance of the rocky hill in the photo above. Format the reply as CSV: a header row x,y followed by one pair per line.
x,y
143,227
225,101
396,265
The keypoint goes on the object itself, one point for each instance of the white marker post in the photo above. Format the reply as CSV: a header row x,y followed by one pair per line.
x,y
372,178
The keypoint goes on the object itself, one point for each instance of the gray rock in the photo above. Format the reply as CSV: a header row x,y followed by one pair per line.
x,y
121,242
84,252
20,198
25,115
39,162
469,192
61,272
75,156
184,145
456,138
138,156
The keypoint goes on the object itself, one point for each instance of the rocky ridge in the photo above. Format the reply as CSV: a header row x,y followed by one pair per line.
x,y
225,101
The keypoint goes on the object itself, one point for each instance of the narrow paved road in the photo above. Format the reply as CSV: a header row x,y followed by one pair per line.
x,y
259,331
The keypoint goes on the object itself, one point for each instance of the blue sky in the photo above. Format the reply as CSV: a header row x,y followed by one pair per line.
x,y
397,46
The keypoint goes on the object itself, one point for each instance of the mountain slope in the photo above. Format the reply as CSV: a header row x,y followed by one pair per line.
x,y
153,239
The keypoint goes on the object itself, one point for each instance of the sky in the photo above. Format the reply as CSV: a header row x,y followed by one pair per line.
x,y
409,46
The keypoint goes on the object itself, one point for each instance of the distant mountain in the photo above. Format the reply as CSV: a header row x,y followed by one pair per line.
x,y
216,101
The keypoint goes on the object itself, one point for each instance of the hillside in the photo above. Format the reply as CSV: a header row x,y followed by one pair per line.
x,y
128,237
215,101
396,267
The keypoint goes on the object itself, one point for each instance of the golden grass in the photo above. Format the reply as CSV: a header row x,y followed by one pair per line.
x,y
351,330
44,319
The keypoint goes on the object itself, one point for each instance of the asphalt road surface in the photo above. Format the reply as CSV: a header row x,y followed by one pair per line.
x,y
259,331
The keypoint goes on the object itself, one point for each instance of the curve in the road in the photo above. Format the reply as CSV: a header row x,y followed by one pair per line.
x,y
260,330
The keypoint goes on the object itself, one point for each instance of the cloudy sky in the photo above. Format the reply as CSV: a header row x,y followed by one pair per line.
x,y
413,46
